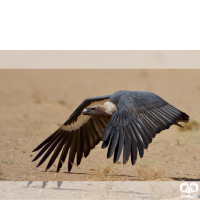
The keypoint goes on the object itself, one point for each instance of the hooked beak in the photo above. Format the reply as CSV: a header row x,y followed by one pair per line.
x,y
85,111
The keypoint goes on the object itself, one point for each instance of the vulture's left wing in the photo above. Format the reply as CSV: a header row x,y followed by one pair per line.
x,y
139,117
78,135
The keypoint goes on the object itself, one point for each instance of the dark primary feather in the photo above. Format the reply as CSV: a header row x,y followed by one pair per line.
x,y
57,150
120,145
47,140
64,153
136,140
49,151
106,142
133,146
139,117
127,146
113,143
75,143
80,148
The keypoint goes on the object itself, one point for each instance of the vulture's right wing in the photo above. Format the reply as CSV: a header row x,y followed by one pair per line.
x,y
139,117
78,135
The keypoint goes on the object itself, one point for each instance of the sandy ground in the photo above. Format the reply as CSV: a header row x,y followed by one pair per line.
x,y
33,103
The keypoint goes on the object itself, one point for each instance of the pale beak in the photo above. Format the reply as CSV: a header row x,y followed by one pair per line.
x,y
85,111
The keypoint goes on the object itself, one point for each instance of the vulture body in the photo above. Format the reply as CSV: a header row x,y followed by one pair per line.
x,y
124,120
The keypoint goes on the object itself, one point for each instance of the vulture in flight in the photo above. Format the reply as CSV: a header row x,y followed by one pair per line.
x,y
124,120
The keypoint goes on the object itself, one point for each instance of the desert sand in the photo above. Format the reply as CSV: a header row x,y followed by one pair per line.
x,y
34,103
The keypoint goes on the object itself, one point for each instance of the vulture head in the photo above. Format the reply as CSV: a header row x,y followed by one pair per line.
x,y
105,111
125,121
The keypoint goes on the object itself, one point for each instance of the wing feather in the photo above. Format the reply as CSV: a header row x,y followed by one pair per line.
x,y
51,148
133,146
138,136
145,130
77,136
120,145
146,138
73,149
127,146
90,135
86,147
107,131
96,134
139,143
47,140
64,152
107,142
137,120
57,151
113,143
80,148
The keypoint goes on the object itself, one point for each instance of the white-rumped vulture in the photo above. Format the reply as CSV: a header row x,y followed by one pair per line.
x,y
124,120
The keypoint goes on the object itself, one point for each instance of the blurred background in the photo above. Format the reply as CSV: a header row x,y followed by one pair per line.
x,y
35,102
123,59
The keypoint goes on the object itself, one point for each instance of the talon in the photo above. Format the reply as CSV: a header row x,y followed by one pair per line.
x,y
176,123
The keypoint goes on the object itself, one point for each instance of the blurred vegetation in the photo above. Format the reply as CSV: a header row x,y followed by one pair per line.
x,y
191,126
146,163
190,133
147,170
6,161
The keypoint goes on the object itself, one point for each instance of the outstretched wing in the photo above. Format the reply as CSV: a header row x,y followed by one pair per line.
x,y
139,117
78,135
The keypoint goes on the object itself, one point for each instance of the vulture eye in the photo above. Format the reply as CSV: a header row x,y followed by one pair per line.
x,y
93,108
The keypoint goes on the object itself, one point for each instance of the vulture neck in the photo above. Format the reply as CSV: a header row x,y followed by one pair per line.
x,y
106,110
